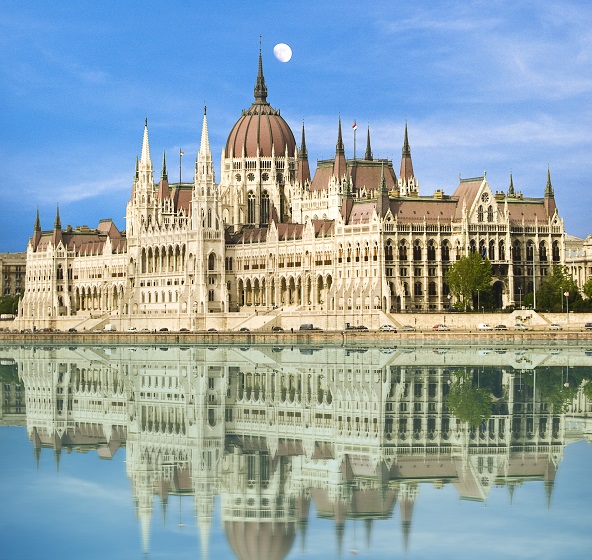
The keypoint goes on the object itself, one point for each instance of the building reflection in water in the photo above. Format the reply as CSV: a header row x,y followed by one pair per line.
x,y
271,431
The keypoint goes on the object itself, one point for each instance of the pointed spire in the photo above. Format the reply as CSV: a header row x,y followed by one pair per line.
x,y
406,172
511,191
260,87
340,165
164,175
303,172
368,154
137,173
549,193
339,148
145,157
382,202
204,146
37,222
57,225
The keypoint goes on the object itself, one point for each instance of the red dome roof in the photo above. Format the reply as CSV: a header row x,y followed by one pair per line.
x,y
261,127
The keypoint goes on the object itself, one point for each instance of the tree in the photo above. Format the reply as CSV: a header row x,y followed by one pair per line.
x,y
9,304
469,403
587,289
469,276
551,294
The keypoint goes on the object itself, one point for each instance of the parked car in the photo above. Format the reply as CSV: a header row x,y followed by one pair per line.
x,y
212,329
277,328
72,329
501,327
407,328
183,329
555,327
243,329
362,328
388,328
307,327
164,329
588,326
484,327
441,327
132,329
520,327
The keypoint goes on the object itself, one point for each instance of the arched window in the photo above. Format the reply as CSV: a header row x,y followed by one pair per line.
x,y
491,254
502,251
388,251
530,251
402,251
543,251
417,250
472,246
490,214
445,251
480,213
417,288
211,261
431,250
556,254
432,288
517,251
251,207
265,207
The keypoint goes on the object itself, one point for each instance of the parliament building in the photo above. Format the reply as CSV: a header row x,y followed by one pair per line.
x,y
271,239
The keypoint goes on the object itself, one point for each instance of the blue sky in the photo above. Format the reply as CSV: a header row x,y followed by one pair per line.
x,y
484,85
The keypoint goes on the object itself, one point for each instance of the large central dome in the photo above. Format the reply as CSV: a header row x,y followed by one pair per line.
x,y
261,126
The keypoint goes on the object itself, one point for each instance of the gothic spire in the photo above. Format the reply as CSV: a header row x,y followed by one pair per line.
x,y
406,172
145,157
340,164
549,192
511,191
164,175
37,222
57,225
204,146
260,87
303,172
368,154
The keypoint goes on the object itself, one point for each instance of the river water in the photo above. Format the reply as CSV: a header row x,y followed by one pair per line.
x,y
269,452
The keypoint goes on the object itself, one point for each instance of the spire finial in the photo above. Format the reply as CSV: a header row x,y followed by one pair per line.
x,y
339,148
368,154
406,147
37,221
145,157
164,176
303,153
260,87
57,225
511,187
549,193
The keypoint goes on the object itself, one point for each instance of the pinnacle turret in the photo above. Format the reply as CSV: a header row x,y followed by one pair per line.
x,y
340,165
260,87
57,225
368,154
511,191
145,157
549,192
303,171
37,222
164,175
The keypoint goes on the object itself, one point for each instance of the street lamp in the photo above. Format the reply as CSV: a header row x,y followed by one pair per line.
x,y
520,297
561,288
566,294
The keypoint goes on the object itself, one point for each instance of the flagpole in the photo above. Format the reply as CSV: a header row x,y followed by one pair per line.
x,y
355,127
180,159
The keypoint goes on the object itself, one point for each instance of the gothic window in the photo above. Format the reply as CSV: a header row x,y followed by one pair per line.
x,y
543,251
209,218
265,177
405,288
482,249
480,213
502,251
388,251
265,207
530,251
417,250
491,254
211,261
445,251
472,246
251,176
251,207
432,288
431,250
556,255
403,251
417,288
517,256
238,177
490,214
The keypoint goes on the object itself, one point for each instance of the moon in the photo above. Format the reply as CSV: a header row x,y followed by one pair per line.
x,y
282,52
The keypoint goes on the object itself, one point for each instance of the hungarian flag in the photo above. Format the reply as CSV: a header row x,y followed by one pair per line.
x,y
355,126
181,152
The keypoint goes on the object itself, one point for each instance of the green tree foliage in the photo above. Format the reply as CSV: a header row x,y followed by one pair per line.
x,y
551,292
9,305
9,373
468,402
468,276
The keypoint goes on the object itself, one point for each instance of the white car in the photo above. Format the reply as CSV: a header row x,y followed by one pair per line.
x,y
388,328
520,327
554,327
484,327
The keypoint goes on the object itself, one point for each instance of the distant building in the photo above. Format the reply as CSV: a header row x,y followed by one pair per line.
x,y
12,273
355,237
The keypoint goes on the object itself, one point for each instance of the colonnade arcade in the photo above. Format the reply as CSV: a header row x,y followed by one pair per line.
x,y
285,290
